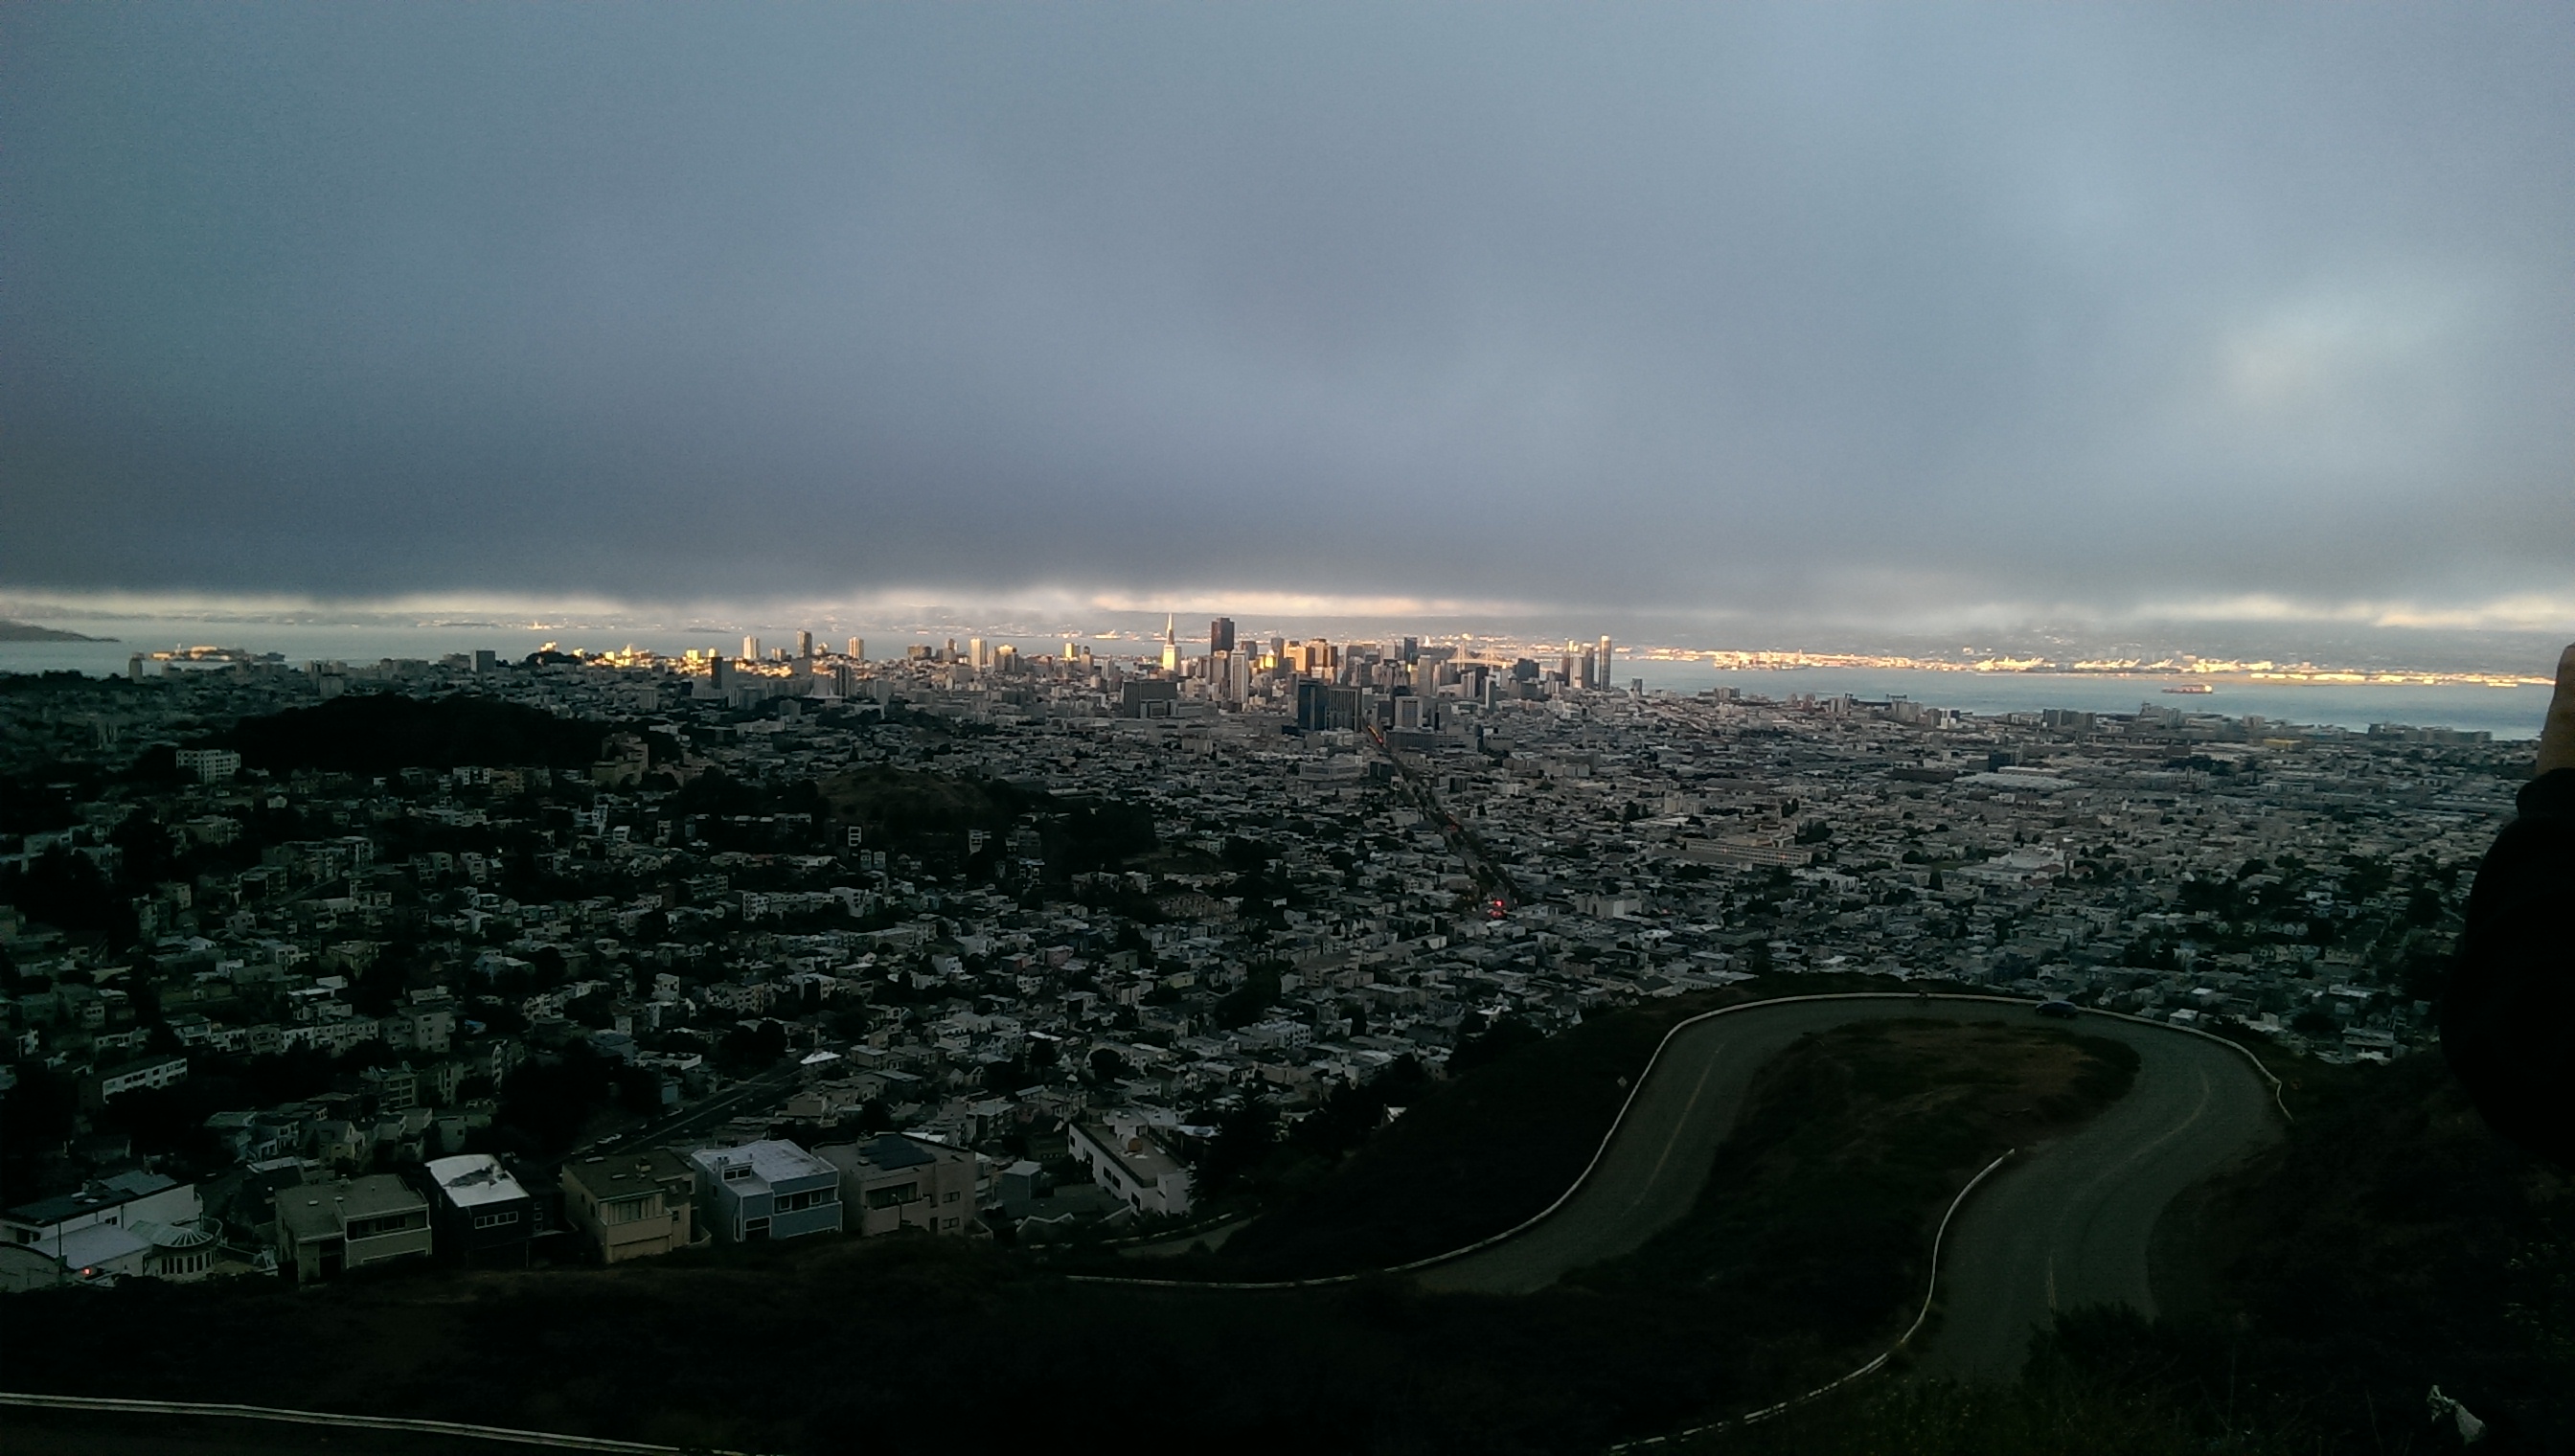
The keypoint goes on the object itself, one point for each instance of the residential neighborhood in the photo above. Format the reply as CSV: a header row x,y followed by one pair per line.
x,y
638,954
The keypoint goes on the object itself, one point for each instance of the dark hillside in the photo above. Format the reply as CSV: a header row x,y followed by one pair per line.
x,y
1516,1123
2391,1244
1815,1224
1473,1157
380,732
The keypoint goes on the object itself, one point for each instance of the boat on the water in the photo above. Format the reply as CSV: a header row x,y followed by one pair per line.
x,y
2194,690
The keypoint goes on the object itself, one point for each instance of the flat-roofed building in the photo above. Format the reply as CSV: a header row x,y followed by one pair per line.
x,y
122,1199
893,1182
483,1213
1124,1160
631,1206
766,1190
131,1224
141,1074
326,1229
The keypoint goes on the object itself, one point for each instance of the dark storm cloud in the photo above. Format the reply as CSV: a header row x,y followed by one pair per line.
x,y
1693,307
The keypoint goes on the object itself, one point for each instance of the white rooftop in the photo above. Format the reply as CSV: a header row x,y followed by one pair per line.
x,y
474,1177
770,1162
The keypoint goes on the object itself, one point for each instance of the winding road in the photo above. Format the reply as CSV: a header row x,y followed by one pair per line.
x,y
2065,1223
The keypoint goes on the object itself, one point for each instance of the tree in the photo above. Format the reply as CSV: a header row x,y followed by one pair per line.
x,y
1244,1004
545,1104
1507,1033
2424,906
744,1050
36,1118
1245,1139
64,889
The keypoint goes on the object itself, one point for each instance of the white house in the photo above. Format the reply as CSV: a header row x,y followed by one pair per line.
x,y
1124,1159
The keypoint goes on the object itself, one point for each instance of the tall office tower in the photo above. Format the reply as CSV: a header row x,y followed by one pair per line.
x,y
751,649
1069,653
1413,650
1608,663
804,644
1313,704
1171,642
720,675
858,650
1221,635
974,653
1279,650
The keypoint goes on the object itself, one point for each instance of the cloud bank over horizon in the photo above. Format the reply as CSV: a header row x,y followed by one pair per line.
x,y
1756,312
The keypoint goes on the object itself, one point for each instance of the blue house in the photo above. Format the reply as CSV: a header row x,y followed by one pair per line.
x,y
766,1190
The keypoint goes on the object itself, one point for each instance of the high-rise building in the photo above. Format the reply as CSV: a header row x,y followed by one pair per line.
x,y
1608,662
1411,649
751,649
858,650
1171,642
1313,704
1144,697
1221,635
974,653
804,644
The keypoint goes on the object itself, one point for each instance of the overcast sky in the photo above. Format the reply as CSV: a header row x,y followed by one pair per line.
x,y
1872,312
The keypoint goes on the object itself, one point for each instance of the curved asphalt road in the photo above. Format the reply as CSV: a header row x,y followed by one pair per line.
x,y
2064,1224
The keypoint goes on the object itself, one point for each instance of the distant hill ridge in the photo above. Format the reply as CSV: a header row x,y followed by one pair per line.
x,y
30,631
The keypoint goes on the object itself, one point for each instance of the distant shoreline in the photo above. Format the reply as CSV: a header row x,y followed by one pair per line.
x,y
2265,674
